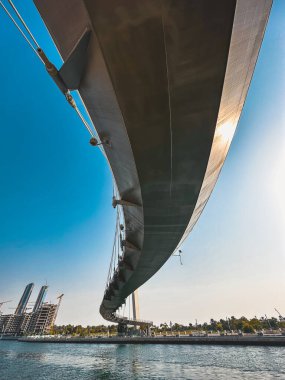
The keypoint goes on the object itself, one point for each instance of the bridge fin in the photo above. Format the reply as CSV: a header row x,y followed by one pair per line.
x,y
72,70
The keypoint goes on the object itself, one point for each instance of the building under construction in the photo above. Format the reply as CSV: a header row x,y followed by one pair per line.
x,y
39,321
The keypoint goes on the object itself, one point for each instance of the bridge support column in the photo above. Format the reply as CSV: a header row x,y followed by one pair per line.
x,y
136,308
122,329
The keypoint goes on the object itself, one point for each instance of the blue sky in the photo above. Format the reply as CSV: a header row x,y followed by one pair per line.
x,y
56,219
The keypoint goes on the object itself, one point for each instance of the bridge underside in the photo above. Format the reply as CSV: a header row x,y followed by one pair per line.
x,y
165,81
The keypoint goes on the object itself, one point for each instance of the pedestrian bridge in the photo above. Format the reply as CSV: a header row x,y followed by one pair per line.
x,y
164,83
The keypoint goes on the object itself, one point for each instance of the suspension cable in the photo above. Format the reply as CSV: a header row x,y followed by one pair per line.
x,y
40,54
114,251
84,121
18,27
23,22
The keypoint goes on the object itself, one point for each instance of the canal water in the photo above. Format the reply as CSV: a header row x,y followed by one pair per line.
x,y
29,361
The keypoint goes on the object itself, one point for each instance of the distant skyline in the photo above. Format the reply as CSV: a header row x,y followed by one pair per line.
x,y
57,222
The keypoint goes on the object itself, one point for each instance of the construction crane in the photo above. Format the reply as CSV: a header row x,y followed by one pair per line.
x,y
58,304
2,303
281,318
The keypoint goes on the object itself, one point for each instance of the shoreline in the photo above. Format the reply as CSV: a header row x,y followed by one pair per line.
x,y
207,340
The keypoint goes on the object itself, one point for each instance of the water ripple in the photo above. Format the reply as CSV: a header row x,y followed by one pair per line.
x,y
28,361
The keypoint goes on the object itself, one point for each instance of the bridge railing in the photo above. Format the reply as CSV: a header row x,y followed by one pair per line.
x,y
130,321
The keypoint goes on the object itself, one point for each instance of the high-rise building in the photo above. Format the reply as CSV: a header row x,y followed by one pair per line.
x,y
10,324
42,320
41,298
39,321
24,299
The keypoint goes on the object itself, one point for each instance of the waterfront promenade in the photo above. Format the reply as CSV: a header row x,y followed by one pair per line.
x,y
241,340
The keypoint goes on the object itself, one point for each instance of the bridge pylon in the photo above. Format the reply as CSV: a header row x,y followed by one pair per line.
x,y
136,307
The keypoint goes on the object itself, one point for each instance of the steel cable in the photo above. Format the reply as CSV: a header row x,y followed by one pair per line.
x,y
19,29
36,51
23,22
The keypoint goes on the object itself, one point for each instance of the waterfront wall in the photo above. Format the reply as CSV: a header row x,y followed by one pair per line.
x,y
277,340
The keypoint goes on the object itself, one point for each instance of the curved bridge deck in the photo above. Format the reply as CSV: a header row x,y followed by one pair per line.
x,y
165,82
